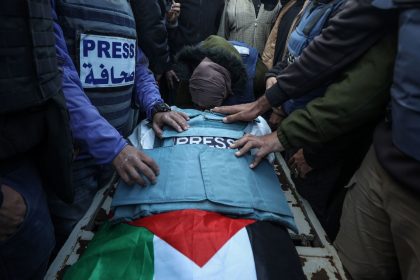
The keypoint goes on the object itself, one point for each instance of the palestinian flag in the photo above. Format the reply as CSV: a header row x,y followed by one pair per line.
x,y
189,244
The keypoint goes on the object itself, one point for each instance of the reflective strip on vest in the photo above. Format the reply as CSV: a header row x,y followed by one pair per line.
x,y
201,177
29,74
101,38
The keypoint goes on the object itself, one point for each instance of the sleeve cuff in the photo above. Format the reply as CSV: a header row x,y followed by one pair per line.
x,y
149,113
276,96
283,139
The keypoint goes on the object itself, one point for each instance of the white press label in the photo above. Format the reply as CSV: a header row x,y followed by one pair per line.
x,y
106,61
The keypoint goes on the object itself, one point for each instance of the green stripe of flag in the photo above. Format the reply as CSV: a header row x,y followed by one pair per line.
x,y
116,252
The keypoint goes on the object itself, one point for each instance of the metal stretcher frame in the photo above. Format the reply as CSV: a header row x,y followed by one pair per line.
x,y
318,256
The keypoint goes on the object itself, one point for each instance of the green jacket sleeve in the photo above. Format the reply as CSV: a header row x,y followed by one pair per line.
x,y
358,96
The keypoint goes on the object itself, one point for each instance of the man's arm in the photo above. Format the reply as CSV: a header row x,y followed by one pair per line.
x,y
90,130
358,97
352,31
148,96
147,91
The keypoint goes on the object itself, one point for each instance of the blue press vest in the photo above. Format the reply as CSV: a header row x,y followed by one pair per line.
x,y
205,178
101,39
197,176
405,91
250,61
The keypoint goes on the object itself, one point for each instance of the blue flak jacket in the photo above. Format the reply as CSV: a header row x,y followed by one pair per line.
x,y
196,176
93,135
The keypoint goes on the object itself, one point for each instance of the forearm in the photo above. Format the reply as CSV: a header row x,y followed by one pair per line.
x,y
358,98
91,132
147,91
276,70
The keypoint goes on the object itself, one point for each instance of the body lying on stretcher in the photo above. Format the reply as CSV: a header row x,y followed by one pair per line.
x,y
209,216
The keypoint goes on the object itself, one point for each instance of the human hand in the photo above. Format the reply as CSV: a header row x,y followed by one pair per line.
x,y
173,14
243,112
12,212
298,164
130,163
265,144
270,82
171,78
176,120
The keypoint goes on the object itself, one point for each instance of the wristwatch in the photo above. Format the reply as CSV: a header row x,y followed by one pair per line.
x,y
159,108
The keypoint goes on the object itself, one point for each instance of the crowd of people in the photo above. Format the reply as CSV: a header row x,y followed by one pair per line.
x,y
337,81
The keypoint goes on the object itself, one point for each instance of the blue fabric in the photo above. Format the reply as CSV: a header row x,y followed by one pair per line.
x,y
132,212
250,61
405,92
207,124
92,133
25,255
313,20
201,177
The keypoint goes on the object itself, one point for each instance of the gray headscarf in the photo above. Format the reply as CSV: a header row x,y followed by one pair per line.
x,y
210,84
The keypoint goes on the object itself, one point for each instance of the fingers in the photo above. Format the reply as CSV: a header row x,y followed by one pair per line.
x,y
185,116
244,116
258,158
173,119
131,163
131,172
240,142
180,119
227,110
246,148
151,163
172,123
176,8
157,129
133,176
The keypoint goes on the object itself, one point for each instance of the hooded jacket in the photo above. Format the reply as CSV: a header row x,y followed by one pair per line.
x,y
219,51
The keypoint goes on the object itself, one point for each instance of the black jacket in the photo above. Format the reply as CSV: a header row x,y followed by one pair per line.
x,y
402,168
355,28
198,20
151,32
